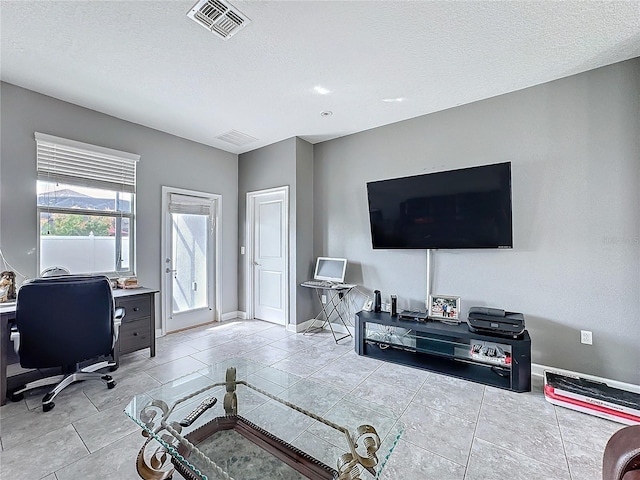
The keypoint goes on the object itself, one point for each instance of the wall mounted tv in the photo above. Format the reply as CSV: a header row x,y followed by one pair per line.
x,y
465,208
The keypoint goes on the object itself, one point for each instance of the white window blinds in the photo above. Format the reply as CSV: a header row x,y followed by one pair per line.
x,y
76,163
189,204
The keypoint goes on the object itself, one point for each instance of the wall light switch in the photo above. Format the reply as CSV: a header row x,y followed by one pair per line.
x,y
241,250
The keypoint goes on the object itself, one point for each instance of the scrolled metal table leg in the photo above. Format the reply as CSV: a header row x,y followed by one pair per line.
x,y
156,468
350,464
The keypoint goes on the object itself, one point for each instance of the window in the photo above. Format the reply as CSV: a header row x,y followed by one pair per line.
x,y
86,207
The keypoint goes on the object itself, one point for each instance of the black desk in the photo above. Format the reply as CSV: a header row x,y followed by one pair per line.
x,y
137,331
7,315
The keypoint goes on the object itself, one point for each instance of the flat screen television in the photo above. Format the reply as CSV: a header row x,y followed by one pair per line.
x,y
465,208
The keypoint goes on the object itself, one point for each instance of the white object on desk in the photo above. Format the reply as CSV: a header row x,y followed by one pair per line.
x,y
330,269
54,272
316,284
343,286
326,284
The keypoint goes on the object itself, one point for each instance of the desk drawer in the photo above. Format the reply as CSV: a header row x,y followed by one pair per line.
x,y
135,335
135,307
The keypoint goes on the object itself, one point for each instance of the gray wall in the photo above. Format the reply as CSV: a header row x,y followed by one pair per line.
x,y
165,160
289,162
575,153
305,260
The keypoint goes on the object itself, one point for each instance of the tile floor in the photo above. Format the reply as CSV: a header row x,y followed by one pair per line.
x,y
455,430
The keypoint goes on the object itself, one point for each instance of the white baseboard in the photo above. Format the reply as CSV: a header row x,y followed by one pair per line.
x,y
158,332
538,370
233,315
338,327
301,327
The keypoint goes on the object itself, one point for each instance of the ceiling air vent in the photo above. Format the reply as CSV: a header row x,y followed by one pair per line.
x,y
219,17
237,138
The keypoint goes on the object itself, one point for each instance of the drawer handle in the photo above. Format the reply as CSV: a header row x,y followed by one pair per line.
x,y
135,309
135,334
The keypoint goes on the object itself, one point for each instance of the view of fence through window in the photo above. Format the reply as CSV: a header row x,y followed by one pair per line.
x,y
86,230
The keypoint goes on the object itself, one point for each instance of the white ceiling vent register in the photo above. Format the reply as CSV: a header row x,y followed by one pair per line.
x,y
236,137
219,17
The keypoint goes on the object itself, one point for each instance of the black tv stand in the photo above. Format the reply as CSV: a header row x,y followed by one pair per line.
x,y
450,349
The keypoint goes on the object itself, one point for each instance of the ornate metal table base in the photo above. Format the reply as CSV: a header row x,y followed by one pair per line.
x,y
154,462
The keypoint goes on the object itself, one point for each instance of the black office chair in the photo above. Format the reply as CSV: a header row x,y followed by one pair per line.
x,y
62,322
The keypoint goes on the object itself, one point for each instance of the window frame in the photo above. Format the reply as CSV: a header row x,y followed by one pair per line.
x,y
89,181
96,213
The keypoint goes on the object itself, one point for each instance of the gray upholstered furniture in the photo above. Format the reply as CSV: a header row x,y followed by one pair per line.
x,y
621,460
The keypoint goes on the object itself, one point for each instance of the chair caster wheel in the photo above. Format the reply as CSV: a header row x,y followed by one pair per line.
x,y
114,368
16,397
48,406
110,382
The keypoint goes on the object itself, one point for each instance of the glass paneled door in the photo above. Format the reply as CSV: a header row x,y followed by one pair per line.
x,y
190,261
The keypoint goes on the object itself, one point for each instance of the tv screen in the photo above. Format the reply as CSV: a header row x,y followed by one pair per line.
x,y
465,208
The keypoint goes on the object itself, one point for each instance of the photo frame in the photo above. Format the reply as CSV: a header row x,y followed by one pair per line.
x,y
445,308
368,305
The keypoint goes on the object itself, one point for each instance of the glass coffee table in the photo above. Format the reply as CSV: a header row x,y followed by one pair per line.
x,y
243,420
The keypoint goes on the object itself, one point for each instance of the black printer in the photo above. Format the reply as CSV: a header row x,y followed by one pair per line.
x,y
493,321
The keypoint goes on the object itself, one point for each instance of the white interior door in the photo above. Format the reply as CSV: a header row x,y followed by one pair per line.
x,y
189,259
268,217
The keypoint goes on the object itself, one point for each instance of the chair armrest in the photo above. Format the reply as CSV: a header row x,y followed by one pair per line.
x,y
119,315
117,321
15,338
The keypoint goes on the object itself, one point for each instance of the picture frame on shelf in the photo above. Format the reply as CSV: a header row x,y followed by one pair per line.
x,y
368,305
445,308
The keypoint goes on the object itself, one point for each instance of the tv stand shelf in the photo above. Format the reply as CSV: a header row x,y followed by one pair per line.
x,y
447,349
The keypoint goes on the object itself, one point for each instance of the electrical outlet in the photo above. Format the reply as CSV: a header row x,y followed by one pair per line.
x,y
386,307
586,337
324,299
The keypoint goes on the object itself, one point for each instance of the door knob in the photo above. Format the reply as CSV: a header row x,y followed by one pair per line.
x,y
168,270
256,263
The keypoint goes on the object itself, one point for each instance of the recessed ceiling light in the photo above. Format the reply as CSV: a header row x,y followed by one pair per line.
x,y
326,113
321,90
397,99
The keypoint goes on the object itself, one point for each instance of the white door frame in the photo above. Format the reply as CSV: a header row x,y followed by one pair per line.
x,y
166,302
250,258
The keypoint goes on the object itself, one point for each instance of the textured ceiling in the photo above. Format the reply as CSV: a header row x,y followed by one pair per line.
x,y
146,62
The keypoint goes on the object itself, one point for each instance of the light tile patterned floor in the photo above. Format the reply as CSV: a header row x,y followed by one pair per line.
x,y
455,430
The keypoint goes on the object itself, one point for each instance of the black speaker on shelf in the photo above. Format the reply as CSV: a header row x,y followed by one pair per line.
x,y
377,301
